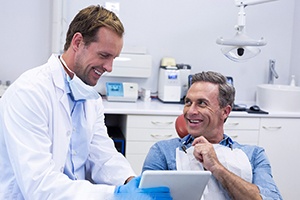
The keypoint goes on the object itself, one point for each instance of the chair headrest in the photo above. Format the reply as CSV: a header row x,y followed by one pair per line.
x,y
180,126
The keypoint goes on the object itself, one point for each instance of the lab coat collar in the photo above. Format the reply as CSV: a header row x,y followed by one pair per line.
x,y
59,80
57,72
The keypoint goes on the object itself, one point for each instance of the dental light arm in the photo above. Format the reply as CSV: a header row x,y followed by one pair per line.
x,y
250,2
242,47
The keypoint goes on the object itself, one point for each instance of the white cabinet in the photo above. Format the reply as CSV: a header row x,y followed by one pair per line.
x,y
142,131
280,139
278,136
243,130
144,124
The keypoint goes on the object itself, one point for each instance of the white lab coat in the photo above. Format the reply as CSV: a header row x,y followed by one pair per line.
x,y
35,131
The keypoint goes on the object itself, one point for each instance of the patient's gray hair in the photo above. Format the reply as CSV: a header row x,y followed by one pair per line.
x,y
226,90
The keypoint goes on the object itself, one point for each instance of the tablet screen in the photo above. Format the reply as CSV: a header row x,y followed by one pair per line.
x,y
183,184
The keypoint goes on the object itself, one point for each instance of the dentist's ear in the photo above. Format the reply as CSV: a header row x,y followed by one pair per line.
x,y
76,41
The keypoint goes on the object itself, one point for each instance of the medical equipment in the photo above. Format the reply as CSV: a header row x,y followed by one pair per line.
x,y
121,91
173,80
241,47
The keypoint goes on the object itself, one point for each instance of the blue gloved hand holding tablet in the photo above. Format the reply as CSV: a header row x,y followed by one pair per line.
x,y
132,191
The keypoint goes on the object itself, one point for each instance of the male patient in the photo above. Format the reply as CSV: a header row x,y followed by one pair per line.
x,y
239,171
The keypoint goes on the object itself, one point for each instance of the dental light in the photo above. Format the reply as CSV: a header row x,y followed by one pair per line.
x,y
241,47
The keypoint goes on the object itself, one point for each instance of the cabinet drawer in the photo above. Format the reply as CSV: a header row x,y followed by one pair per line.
x,y
141,134
234,123
244,136
151,121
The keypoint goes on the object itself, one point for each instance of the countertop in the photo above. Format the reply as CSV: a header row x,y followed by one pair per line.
x,y
156,107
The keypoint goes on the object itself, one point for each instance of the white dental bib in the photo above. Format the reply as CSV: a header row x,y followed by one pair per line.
x,y
235,160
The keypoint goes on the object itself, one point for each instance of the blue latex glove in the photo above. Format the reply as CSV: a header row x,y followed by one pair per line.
x,y
132,191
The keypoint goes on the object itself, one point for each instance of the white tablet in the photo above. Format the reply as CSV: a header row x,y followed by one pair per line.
x,y
183,184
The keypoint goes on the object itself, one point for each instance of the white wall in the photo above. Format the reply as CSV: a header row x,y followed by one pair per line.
x,y
25,36
183,29
295,60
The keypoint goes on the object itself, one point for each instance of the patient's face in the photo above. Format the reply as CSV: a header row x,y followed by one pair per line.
x,y
202,112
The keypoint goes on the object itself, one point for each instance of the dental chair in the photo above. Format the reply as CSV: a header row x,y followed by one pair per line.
x,y
180,126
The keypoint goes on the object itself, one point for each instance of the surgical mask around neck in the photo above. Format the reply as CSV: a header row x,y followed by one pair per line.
x,y
79,89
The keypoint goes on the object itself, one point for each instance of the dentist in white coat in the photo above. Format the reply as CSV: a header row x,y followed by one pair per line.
x,y
53,140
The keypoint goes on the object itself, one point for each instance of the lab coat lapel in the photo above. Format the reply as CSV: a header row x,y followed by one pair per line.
x,y
62,127
59,82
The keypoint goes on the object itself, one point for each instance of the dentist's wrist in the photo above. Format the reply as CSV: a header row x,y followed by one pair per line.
x,y
129,179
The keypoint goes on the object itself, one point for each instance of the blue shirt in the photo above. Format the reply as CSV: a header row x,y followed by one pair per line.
x,y
162,156
79,147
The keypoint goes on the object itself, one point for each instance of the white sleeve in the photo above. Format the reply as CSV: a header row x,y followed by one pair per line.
x,y
26,114
107,164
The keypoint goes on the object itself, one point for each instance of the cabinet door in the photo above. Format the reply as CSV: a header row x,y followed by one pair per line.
x,y
239,123
151,121
244,136
280,138
150,134
142,132
243,130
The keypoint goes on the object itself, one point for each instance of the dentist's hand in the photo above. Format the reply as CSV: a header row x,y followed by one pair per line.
x,y
132,192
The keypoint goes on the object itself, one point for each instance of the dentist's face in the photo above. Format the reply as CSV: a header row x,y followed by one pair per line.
x,y
202,112
93,60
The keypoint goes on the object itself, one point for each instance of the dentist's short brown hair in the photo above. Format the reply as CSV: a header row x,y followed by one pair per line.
x,y
89,20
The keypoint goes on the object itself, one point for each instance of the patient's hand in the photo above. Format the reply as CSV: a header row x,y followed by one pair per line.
x,y
205,153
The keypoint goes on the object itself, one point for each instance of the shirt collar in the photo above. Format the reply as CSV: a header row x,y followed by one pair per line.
x,y
227,141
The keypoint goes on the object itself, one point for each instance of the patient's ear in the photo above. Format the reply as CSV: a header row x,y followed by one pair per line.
x,y
226,111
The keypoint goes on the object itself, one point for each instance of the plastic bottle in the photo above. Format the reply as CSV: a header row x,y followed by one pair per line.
x,y
293,82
